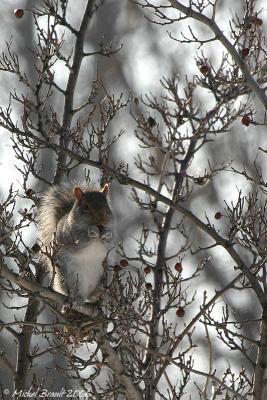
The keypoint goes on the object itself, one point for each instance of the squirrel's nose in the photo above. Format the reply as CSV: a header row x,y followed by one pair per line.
x,y
100,227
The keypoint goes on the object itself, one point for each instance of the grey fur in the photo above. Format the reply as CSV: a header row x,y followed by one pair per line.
x,y
78,239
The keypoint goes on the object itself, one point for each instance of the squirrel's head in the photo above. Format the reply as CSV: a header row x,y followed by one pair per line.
x,y
93,205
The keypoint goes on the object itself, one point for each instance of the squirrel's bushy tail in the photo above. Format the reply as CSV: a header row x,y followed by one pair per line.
x,y
55,203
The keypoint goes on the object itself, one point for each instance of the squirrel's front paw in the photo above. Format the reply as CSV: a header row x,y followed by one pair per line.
x,y
106,234
93,232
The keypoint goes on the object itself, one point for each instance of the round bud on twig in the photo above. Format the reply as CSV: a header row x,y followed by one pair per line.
x,y
124,263
202,180
151,122
18,12
180,312
29,192
36,248
245,52
117,268
246,120
204,69
218,215
256,21
178,267
147,270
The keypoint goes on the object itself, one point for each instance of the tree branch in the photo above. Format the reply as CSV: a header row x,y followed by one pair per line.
x,y
259,384
210,22
71,86
40,292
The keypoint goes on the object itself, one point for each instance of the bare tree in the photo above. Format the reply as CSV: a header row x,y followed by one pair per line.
x,y
184,310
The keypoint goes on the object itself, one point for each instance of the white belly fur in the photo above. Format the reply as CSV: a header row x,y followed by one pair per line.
x,y
85,270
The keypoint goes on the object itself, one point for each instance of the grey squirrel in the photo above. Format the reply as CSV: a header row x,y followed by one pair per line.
x,y
76,225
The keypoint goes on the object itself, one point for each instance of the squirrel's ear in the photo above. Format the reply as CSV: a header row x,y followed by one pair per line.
x,y
105,189
78,193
